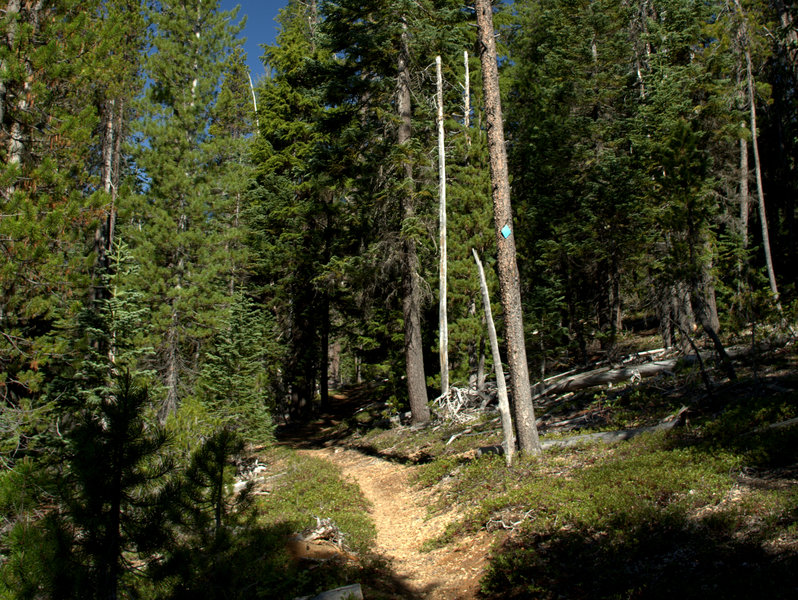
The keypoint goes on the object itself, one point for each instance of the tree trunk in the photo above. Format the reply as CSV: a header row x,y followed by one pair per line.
x,y
790,35
467,99
172,379
12,9
254,103
744,195
749,75
616,314
509,283
504,404
411,304
705,310
443,322
682,315
324,354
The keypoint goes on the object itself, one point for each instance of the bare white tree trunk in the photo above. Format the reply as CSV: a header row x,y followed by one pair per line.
x,y
443,321
744,193
504,403
466,98
254,103
758,173
749,74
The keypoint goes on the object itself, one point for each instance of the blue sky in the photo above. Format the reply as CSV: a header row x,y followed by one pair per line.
x,y
261,28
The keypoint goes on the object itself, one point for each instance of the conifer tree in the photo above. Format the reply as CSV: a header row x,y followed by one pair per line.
x,y
237,380
470,227
179,234
231,129
216,548
58,61
509,284
291,214
378,126
100,491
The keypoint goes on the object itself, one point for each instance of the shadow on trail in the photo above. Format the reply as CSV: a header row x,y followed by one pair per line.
x,y
421,458
333,423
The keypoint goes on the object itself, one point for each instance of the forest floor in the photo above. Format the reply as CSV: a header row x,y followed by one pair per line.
x,y
706,510
399,509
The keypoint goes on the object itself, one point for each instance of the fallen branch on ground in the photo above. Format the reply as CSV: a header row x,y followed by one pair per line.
x,y
494,524
607,437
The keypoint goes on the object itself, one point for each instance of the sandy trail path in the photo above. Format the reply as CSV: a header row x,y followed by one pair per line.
x,y
403,525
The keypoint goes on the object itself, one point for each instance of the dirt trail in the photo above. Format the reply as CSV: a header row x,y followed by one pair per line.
x,y
403,525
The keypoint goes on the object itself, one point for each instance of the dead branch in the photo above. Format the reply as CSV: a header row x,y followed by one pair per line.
x,y
494,524
610,437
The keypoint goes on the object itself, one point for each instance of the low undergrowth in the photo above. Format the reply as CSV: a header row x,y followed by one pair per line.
x,y
305,488
298,489
709,510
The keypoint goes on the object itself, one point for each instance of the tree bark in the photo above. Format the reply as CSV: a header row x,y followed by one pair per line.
x,y
509,283
467,99
411,304
790,35
324,353
443,322
172,379
744,195
705,310
504,404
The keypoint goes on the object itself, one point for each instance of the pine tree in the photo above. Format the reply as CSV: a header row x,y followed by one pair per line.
x,y
509,284
57,61
237,381
291,214
178,232
100,491
470,227
583,221
217,550
231,129
378,131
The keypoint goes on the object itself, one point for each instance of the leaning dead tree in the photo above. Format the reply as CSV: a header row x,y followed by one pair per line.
x,y
509,283
504,404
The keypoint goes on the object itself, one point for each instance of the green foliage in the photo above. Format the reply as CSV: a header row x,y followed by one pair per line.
x,y
183,217
215,550
100,494
53,67
313,487
292,212
239,377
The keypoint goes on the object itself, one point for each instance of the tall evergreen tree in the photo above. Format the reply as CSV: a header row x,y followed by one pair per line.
x,y
379,126
178,224
509,283
59,61
291,214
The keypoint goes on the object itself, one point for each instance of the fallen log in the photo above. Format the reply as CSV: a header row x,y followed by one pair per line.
x,y
610,437
772,426
607,437
607,375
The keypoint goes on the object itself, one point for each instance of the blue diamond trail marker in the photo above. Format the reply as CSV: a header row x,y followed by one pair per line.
x,y
506,231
